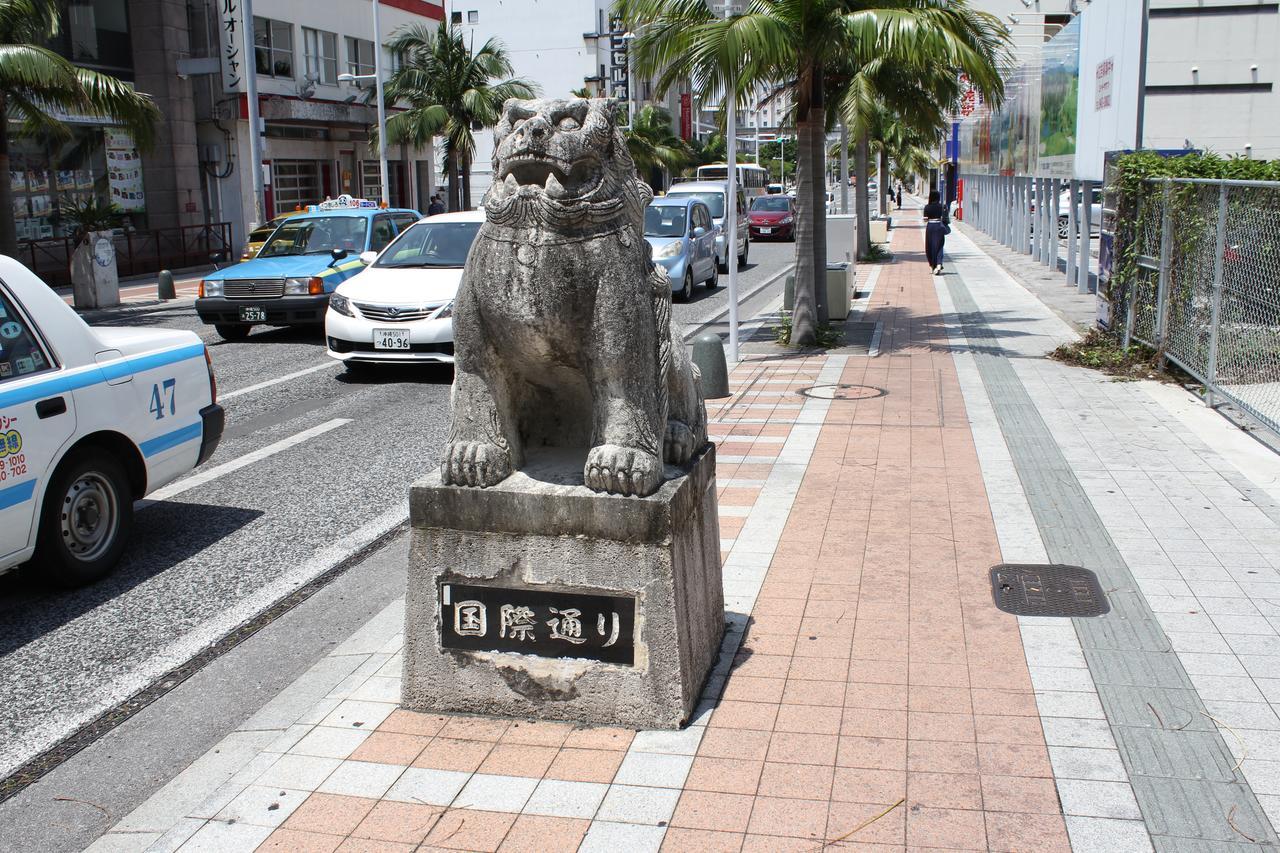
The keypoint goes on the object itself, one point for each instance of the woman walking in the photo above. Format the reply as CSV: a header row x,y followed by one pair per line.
x,y
937,227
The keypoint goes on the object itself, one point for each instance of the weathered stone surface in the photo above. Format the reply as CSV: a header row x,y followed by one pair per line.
x,y
542,529
562,323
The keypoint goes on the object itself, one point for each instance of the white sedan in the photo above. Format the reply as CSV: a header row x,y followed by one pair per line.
x,y
400,308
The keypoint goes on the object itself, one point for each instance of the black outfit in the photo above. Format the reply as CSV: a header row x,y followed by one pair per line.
x,y
937,220
435,208
899,198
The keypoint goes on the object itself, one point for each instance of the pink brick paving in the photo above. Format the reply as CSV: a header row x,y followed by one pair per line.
x,y
879,700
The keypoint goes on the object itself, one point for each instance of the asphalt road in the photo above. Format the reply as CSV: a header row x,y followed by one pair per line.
x,y
333,456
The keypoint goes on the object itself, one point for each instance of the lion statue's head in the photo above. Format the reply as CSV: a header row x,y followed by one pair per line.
x,y
562,162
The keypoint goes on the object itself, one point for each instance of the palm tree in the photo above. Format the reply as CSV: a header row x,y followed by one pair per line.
x,y
449,91
791,45
654,148
35,83
877,95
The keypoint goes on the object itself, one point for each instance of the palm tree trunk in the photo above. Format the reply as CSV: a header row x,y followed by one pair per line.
x,y
451,166
804,310
861,156
8,225
884,179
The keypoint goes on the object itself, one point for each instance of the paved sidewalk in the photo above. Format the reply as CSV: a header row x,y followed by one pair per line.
x,y
868,694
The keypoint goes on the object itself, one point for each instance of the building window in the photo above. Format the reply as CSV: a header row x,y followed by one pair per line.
x,y
473,17
455,18
274,43
321,50
359,56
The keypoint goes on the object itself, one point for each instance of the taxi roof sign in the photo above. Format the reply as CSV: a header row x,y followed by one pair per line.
x,y
345,202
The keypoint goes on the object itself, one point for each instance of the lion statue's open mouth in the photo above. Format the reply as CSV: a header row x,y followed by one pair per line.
x,y
556,178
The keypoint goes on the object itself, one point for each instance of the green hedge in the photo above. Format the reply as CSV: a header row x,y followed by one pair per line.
x,y
1127,187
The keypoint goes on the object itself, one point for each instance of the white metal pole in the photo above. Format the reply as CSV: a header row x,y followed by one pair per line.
x,y
844,168
251,95
382,106
731,220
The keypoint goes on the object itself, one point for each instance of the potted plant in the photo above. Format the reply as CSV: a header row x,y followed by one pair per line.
x,y
91,223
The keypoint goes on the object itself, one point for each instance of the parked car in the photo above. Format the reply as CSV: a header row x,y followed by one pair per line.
x,y
401,307
683,237
772,217
1095,213
289,282
712,194
258,236
91,420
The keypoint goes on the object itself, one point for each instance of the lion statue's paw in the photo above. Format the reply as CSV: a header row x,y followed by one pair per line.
x,y
622,471
474,463
680,442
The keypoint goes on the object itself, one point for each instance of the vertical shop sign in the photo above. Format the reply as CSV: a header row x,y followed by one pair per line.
x,y
686,116
233,44
124,170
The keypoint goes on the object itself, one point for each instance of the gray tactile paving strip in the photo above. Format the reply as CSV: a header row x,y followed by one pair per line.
x,y
1189,788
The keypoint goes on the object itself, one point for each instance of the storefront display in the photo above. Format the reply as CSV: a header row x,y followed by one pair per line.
x,y
97,161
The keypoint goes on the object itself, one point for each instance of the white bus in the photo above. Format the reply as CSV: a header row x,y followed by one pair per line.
x,y
752,179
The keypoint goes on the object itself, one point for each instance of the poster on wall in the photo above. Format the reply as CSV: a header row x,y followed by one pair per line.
x,y
1107,101
124,171
1059,96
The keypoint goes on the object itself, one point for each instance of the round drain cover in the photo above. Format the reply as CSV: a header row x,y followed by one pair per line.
x,y
842,392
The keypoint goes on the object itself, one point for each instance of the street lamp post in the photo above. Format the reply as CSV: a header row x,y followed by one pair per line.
x,y
376,77
382,106
251,95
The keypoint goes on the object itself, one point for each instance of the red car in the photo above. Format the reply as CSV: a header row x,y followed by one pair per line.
x,y
772,216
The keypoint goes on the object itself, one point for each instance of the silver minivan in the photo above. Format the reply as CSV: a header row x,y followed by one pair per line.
x,y
712,194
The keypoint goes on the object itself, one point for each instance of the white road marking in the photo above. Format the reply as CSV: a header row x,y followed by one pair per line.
x,y
202,477
288,376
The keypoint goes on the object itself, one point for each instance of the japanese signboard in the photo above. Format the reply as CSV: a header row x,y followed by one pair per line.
x,y
533,622
1102,83
686,116
235,53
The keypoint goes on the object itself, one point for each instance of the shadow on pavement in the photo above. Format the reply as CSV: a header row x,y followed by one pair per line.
x,y
163,537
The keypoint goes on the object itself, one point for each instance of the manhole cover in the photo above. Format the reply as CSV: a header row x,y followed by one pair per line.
x,y
842,392
1047,590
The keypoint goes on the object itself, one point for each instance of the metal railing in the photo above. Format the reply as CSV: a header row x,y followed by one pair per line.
x,y
137,252
1206,286
1051,219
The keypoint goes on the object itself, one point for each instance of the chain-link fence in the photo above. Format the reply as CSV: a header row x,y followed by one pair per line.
x,y
1206,285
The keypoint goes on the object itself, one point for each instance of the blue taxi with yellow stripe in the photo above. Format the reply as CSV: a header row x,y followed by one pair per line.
x,y
308,255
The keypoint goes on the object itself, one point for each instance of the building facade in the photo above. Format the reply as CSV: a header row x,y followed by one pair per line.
x,y
315,127
192,58
1210,72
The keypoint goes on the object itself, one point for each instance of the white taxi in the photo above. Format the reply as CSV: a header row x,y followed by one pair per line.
x,y
91,419
400,308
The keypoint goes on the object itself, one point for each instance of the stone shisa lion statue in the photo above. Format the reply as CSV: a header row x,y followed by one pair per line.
x,y
562,322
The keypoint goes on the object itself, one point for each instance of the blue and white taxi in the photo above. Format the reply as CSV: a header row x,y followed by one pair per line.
x,y
289,282
91,420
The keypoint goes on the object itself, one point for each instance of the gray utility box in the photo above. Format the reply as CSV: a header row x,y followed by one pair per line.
x,y
540,598
842,283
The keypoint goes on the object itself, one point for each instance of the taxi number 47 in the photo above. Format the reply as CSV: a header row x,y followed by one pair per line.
x,y
162,398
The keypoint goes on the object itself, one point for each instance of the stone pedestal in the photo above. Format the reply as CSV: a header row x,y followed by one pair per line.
x,y
94,278
540,598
